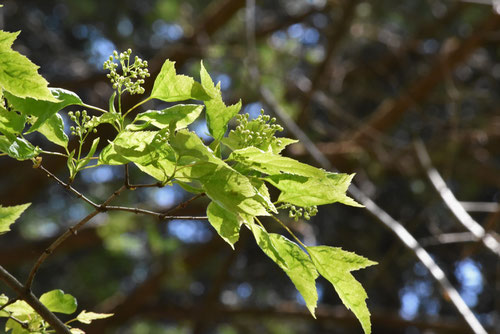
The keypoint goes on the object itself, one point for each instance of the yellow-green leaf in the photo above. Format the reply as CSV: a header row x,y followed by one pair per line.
x,y
87,317
336,265
9,214
58,301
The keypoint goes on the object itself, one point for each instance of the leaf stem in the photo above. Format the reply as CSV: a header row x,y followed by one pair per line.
x,y
137,105
93,107
55,153
289,231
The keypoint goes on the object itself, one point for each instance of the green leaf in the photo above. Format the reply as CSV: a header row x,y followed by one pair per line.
x,y
294,262
58,301
53,130
224,222
336,265
171,87
270,163
87,317
108,117
9,214
76,331
3,300
43,110
82,163
218,114
308,191
280,143
182,115
11,122
19,308
18,148
13,327
18,75
225,186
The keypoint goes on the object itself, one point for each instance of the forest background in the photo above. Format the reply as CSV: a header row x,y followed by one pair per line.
x,y
403,93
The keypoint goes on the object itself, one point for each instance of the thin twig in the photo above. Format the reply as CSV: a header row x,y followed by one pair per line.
x,y
20,322
33,301
69,232
184,204
453,204
68,186
448,238
159,215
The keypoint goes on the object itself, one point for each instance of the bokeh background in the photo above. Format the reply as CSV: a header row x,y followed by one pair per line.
x,y
368,82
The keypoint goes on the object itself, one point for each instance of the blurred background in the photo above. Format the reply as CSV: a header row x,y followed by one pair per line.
x,y
375,85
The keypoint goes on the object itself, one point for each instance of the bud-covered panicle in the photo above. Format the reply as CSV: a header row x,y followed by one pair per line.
x,y
132,76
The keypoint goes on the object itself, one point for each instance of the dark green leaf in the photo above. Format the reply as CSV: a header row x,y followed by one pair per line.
x,y
9,214
336,265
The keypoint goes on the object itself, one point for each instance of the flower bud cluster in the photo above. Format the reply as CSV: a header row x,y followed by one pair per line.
x,y
132,76
80,118
298,212
257,132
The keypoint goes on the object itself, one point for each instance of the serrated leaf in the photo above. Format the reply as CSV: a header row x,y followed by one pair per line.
x,y
58,301
53,130
181,115
171,87
18,75
11,122
224,222
87,317
225,186
108,117
336,265
308,191
18,148
294,262
270,163
43,110
9,214
218,114
280,143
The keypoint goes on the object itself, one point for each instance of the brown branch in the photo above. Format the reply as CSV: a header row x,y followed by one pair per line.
x,y
390,111
30,298
322,71
69,232
488,239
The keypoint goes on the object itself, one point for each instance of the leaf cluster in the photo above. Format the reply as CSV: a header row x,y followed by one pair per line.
x,y
235,170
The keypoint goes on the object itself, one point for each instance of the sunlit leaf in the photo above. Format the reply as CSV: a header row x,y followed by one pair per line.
x,y
9,214
293,260
308,191
270,163
18,148
18,75
58,301
182,115
224,222
336,265
11,122
43,110
171,87
218,114
87,317
53,130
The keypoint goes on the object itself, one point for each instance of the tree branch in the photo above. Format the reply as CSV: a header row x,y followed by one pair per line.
x,y
33,301
453,204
